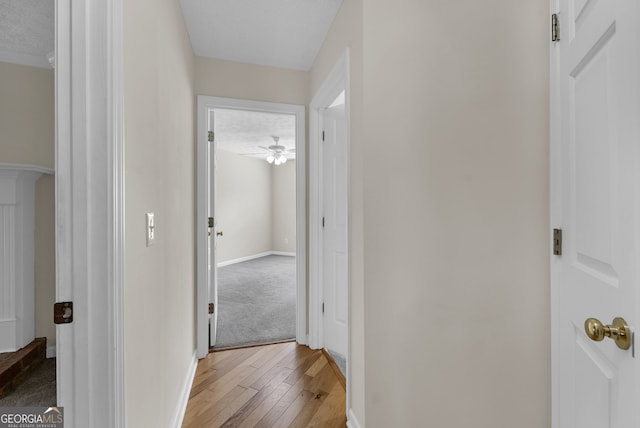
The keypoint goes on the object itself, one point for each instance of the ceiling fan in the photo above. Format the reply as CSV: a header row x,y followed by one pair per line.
x,y
277,154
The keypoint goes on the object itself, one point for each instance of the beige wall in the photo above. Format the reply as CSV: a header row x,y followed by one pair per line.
x,y
283,207
27,136
255,206
243,206
220,78
346,31
456,227
27,129
160,178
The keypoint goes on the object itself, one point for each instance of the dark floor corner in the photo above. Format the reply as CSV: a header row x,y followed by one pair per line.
x,y
26,377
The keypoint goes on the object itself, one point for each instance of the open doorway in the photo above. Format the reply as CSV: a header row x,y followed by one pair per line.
x,y
255,215
27,205
260,144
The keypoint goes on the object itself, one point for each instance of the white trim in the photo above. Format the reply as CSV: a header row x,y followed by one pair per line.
x,y
335,82
181,407
205,104
282,253
51,351
21,58
254,256
90,210
26,167
352,421
555,210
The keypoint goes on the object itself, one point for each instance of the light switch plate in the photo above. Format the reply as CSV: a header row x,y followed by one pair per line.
x,y
151,229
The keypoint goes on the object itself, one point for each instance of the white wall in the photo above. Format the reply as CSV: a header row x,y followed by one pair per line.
x,y
456,225
27,136
255,206
160,177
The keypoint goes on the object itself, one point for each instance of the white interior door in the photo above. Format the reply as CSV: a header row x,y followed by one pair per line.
x,y
335,274
595,199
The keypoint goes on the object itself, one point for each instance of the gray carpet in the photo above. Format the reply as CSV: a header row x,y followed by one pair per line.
x,y
256,302
38,390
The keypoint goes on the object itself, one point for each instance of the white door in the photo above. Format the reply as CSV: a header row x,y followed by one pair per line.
x,y
595,201
335,273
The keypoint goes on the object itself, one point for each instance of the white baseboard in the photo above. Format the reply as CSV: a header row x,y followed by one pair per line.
x,y
254,256
181,408
51,351
352,421
283,253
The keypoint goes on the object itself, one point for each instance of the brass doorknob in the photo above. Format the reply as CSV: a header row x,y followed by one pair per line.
x,y
219,233
619,331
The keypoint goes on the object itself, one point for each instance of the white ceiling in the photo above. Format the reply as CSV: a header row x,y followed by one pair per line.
x,y
27,31
278,33
242,132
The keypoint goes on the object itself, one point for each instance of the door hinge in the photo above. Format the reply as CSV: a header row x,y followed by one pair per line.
x,y
323,222
211,308
557,242
63,312
322,135
555,28
323,307
210,136
210,222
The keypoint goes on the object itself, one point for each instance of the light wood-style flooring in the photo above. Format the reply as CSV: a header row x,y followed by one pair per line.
x,y
279,385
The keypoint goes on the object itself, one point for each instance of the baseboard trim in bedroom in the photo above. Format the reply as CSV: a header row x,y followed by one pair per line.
x,y
255,256
181,408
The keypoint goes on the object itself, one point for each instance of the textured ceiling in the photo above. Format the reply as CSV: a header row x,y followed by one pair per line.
x,y
242,132
27,31
278,33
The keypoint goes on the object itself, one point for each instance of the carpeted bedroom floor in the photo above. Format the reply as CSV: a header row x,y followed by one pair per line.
x,y
256,302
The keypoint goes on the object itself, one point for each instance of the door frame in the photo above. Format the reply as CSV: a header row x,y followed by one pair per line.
x,y
336,81
205,104
89,164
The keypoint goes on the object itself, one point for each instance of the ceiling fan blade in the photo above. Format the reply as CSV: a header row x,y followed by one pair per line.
x,y
266,148
252,154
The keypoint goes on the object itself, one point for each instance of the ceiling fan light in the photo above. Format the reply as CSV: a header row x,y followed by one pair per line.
x,y
270,158
278,161
283,160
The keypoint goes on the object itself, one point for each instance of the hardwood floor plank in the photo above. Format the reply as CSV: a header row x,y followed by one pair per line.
x,y
281,384
265,406
302,368
283,404
332,412
208,406
263,393
231,409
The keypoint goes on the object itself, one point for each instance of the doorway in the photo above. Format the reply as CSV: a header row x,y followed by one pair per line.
x,y
232,251
329,214
255,219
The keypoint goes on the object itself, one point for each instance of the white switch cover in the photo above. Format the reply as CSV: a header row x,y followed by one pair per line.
x,y
151,229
